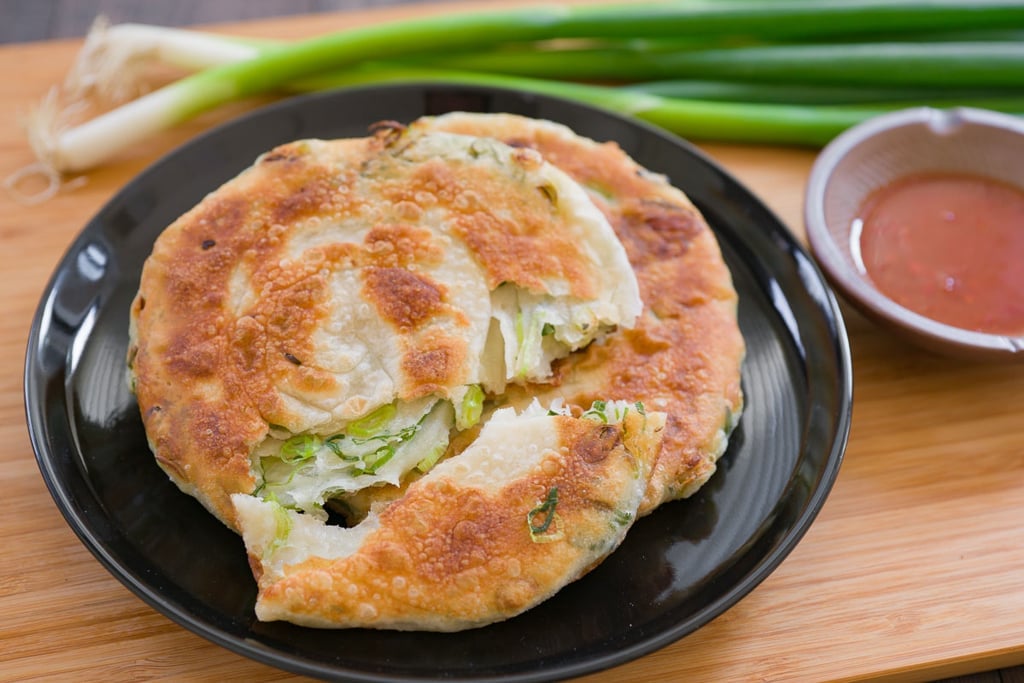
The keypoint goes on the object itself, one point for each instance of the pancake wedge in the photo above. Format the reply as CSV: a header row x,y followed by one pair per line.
x,y
295,333
532,504
684,356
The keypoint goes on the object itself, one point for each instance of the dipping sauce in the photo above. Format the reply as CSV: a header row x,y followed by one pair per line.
x,y
948,246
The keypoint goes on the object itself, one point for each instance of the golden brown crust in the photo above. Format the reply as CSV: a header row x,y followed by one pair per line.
x,y
449,556
511,240
685,354
203,374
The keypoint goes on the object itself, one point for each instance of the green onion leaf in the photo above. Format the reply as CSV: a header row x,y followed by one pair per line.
x,y
540,519
334,443
428,462
378,459
598,412
283,528
372,423
299,448
868,43
520,339
622,518
472,407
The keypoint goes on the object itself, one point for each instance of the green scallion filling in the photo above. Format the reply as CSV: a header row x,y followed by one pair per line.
x,y
471,408
372,423
541,518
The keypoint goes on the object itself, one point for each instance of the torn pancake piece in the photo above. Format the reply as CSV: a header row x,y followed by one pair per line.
x,y
557,274
532,504
684,355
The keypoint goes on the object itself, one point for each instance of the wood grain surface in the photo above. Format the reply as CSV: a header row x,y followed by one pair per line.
x,y
914,569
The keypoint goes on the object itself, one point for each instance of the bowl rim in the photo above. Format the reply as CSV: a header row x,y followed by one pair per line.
x,y
854,286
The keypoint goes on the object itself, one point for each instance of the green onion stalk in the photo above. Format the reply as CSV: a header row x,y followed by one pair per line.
x,y
704,119
938,65
228,69
824,94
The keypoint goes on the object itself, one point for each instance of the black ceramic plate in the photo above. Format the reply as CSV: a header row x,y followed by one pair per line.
x,y
677,569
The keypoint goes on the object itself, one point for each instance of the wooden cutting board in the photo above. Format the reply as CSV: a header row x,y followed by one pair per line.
x,y
913,570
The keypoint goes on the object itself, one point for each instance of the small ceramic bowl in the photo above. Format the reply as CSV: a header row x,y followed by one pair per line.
x,y
889,147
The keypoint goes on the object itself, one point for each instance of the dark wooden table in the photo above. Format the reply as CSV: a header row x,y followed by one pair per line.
x,y
32,20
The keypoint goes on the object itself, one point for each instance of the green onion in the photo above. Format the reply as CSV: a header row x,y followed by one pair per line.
x,y
913,64
373,423
377,459
814,94
401,435
622,518
282,528
431,458
597,412
303,472
299,448
755,122
275,66
520,328
545,511
630,42
334,444
471,408
979,64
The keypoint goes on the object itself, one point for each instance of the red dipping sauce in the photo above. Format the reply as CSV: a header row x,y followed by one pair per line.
x,y
950,247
